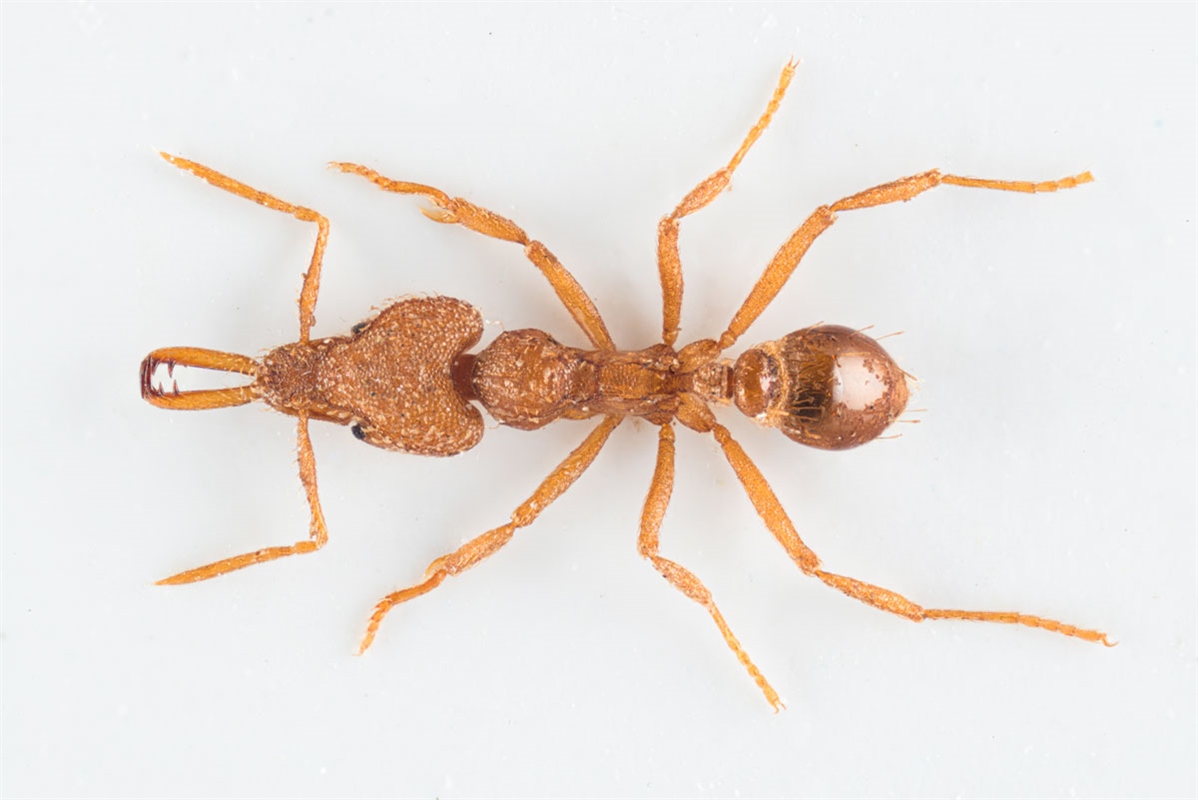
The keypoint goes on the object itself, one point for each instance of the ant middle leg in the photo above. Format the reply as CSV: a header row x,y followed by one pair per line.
x,y
451,210
779,524
307,298
680,577
784,262
487,544
669,264
318,534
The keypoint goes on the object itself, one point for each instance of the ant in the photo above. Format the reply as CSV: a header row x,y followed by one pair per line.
x,y
403,380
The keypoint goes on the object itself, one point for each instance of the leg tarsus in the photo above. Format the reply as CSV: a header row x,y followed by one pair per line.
x,y
1015,618
1028,187
395,598
237,562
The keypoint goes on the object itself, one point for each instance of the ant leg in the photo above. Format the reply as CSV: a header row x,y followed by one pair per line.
x,y
481,220
779,523
307,298
791,253
484,546
897,604
318,534
681,578
669,264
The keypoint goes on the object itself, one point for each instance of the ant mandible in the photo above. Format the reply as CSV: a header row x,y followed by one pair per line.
x,y
404,380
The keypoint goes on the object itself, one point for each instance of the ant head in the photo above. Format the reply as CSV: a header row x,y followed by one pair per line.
x,y
828,386
392,378
203,398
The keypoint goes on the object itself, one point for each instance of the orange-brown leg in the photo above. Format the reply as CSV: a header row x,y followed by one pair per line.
x,y
318,534
791,253
681,578
778,522
307,299
669,265
484,546
897,604
478,219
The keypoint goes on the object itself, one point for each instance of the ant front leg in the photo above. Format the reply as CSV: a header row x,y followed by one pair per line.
x,y
462,212
307,299
669,263
318,534
317,531
486,545
784,262
679,576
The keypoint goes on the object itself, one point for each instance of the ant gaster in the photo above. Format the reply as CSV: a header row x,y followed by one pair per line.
x,y
405,381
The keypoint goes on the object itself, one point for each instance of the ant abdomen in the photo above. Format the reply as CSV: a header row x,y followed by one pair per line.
x,y
828,386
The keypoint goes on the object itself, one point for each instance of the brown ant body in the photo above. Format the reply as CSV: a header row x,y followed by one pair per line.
x,y
405,381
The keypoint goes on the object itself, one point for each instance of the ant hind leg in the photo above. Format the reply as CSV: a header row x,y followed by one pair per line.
x,y
778,522
787,259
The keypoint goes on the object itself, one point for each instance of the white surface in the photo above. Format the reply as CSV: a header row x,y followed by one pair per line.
x,y
1054,336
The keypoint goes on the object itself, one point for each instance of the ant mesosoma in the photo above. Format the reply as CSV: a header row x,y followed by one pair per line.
x,y
404,381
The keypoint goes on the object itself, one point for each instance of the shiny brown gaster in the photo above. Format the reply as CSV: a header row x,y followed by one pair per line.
x,y
405,381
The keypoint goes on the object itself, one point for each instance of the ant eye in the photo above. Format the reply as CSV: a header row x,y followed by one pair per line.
x,y
355,330
358,433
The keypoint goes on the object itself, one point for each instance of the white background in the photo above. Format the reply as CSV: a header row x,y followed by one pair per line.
x,y
1053,472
